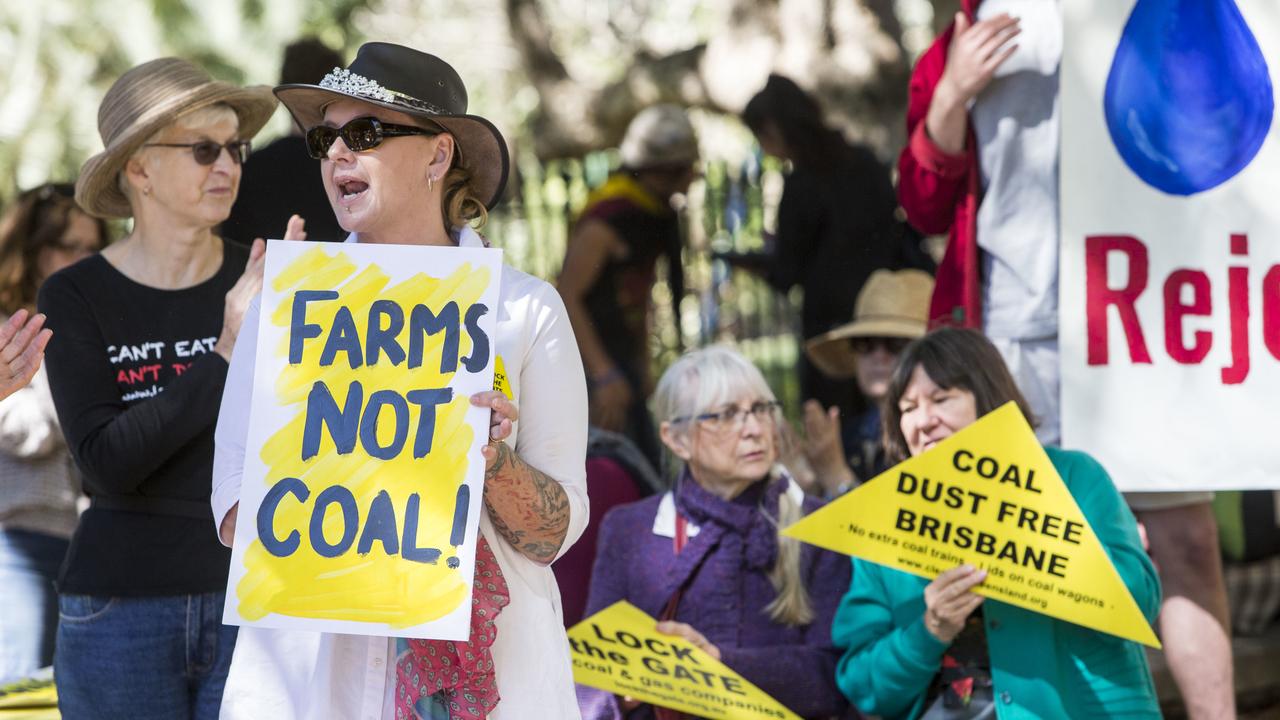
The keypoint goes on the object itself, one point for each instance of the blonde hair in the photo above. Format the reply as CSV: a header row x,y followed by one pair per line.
x,y
709,378
458,201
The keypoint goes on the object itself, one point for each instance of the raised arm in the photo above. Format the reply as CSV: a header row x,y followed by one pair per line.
x,y
934,167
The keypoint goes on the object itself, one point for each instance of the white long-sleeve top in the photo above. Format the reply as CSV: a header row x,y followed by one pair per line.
x,y
287,675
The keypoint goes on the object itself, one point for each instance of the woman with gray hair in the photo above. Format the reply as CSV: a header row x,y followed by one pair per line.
x,y
143,332
706,558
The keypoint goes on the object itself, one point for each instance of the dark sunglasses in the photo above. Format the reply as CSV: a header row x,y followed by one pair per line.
x,y
868,345
360,134
206,152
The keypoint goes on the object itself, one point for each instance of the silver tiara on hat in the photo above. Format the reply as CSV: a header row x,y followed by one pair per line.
x,y
344,81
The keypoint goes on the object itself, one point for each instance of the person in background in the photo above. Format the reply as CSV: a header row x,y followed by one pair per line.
x,y
981,164
706,558
405,164
915,648
144,330
279,179
609,268
836,221
892,310
41,233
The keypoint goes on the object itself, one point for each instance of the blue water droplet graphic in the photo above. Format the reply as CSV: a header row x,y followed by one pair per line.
x,y
1188,99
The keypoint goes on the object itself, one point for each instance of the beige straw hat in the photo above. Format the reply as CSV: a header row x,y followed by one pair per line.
x,y
893,304
146,99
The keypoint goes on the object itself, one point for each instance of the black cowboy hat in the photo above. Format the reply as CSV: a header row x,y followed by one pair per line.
x,y
418,84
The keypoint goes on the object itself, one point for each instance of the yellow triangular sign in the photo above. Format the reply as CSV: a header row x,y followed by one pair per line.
x,y
619,650
990,497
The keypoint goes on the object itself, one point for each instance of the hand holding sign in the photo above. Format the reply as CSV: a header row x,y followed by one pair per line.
x,y
504,414
686,631
948,602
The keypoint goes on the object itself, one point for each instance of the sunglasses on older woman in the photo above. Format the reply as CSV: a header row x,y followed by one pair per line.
x,y
359,134
206,152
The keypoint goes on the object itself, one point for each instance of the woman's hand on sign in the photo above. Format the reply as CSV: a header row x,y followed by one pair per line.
x,y
670,627
503,414
949,602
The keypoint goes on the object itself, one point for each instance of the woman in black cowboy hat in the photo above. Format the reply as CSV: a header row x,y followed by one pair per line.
x,y
403,163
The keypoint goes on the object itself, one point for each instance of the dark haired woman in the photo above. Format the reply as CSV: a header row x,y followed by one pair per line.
x,y
403,163
43,232
936,650
836,222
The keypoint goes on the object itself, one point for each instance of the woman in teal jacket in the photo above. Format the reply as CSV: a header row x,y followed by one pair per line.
x,y
934,650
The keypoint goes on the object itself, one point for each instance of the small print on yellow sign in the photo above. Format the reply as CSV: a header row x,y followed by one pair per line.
x,y
988,496
619,650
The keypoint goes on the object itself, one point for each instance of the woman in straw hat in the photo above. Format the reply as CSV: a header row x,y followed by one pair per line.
x,y
145,329
892,310
404,163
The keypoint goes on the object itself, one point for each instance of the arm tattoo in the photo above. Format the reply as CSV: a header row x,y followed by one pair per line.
x,y
528,507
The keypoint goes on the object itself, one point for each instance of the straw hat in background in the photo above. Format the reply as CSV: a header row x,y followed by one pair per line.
x,y
145,100
892,304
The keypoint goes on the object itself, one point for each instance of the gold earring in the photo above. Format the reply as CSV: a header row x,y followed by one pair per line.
x,y
431,183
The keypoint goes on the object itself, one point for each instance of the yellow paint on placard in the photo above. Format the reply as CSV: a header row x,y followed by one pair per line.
x,y
988,496
620,650
378,586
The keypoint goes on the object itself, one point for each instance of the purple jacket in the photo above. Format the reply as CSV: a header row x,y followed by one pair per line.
x,y
728,562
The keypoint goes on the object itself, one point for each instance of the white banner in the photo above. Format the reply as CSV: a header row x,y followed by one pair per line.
x,y
1170,287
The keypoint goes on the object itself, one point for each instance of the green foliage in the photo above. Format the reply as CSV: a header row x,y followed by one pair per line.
x,y
64,54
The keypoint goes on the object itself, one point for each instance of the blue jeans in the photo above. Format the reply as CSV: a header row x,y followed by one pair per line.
x,y
29,565
140,658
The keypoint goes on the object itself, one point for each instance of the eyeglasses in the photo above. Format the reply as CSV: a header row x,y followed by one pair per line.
x,y
868,345
733,418
360,134
206,152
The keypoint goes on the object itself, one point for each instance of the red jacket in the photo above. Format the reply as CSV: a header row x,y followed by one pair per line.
x,y
940,192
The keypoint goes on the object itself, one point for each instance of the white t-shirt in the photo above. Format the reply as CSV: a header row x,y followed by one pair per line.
x,y
1016,121
291,675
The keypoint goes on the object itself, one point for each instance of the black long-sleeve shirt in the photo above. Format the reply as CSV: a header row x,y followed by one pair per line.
x,y
137,388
